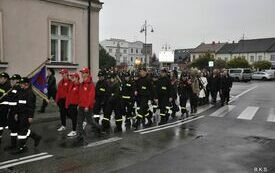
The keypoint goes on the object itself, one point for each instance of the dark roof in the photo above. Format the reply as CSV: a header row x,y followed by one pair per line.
x,y
228,48
272,49
212,48
254,45
182,54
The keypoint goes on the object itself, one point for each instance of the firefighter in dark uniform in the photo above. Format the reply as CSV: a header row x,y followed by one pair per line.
x,y
164,96
100,95
155,96
112,104
4,105
144,94
174,94
127,99
185,91
24,115
226,85
12,98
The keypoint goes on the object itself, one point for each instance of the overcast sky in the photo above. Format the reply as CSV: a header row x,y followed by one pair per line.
x,y
187,23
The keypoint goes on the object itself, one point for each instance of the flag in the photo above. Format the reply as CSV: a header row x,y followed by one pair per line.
x,y
38,79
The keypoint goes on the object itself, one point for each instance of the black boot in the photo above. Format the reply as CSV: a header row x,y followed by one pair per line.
x,y
149,124
118,127
136,125
13,144
162,120
36,138
128,123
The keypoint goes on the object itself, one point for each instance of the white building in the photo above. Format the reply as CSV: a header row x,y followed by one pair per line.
x,y
123,51
252,50
33,30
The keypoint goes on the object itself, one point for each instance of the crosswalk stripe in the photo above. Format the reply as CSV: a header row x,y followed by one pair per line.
x,y
222,111
271,116
248,113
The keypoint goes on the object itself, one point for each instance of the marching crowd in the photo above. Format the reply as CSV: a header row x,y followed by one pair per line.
x,y
133,97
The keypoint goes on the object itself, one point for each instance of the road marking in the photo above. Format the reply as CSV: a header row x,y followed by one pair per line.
x,y
27,159
271,115
114,139
241,94
167,127
222,111
200,110
248,113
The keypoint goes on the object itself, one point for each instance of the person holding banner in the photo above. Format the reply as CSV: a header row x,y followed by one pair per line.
x,y
61,96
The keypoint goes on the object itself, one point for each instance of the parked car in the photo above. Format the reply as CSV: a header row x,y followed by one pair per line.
x,y
240,74
262,76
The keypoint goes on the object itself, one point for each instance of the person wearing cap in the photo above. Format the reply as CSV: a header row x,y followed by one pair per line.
x,y
4,107
86,104
12,99
127,99
164,89
112,104
24,116
100,95
72,102
51,88
61,96
144,94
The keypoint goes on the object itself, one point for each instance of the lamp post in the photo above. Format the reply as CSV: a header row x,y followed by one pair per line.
x,y
144,29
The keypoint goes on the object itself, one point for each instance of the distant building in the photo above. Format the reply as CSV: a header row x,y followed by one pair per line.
x,y
33,30
252,50
126,52
203,48
149,52
182,57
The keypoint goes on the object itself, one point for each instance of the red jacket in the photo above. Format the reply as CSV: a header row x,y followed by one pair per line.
x,y
62,90
87,94
73,95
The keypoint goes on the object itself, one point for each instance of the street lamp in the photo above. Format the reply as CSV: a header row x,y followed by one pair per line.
x,y
144,29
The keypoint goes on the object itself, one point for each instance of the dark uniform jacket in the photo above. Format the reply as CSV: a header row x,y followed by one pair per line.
x,y
4,88
164,88
127,90
184,87
101,89
214,83
26,103
226,83
51,86
144,88
113,91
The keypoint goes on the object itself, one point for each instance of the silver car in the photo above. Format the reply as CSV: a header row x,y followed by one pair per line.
x,y
240,74
262,76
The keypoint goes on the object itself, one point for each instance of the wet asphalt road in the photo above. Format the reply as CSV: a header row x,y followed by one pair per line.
x,y
235,138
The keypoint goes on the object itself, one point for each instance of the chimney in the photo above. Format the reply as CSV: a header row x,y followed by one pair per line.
x,y
213,42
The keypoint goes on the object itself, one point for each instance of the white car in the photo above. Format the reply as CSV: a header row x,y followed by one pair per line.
x,y
262,76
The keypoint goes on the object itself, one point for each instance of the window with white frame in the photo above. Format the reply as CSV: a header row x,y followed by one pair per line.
x,y
1,38
272,57
61,42
260,57
252,59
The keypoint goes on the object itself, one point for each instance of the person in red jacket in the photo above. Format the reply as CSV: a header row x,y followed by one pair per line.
x,y
72,101
86,104
61,96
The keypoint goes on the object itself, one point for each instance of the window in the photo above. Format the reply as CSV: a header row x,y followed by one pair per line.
x,y
61,42
252,59
260,58
136,50
110,50
125,51
132,50
272,57
132,59
1,38
125,59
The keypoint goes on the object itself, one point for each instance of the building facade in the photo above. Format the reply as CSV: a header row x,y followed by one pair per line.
x,y
252,50
34,30
126,52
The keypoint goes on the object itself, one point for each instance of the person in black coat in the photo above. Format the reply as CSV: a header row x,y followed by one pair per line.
x,y
51,87
214,85
226,85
